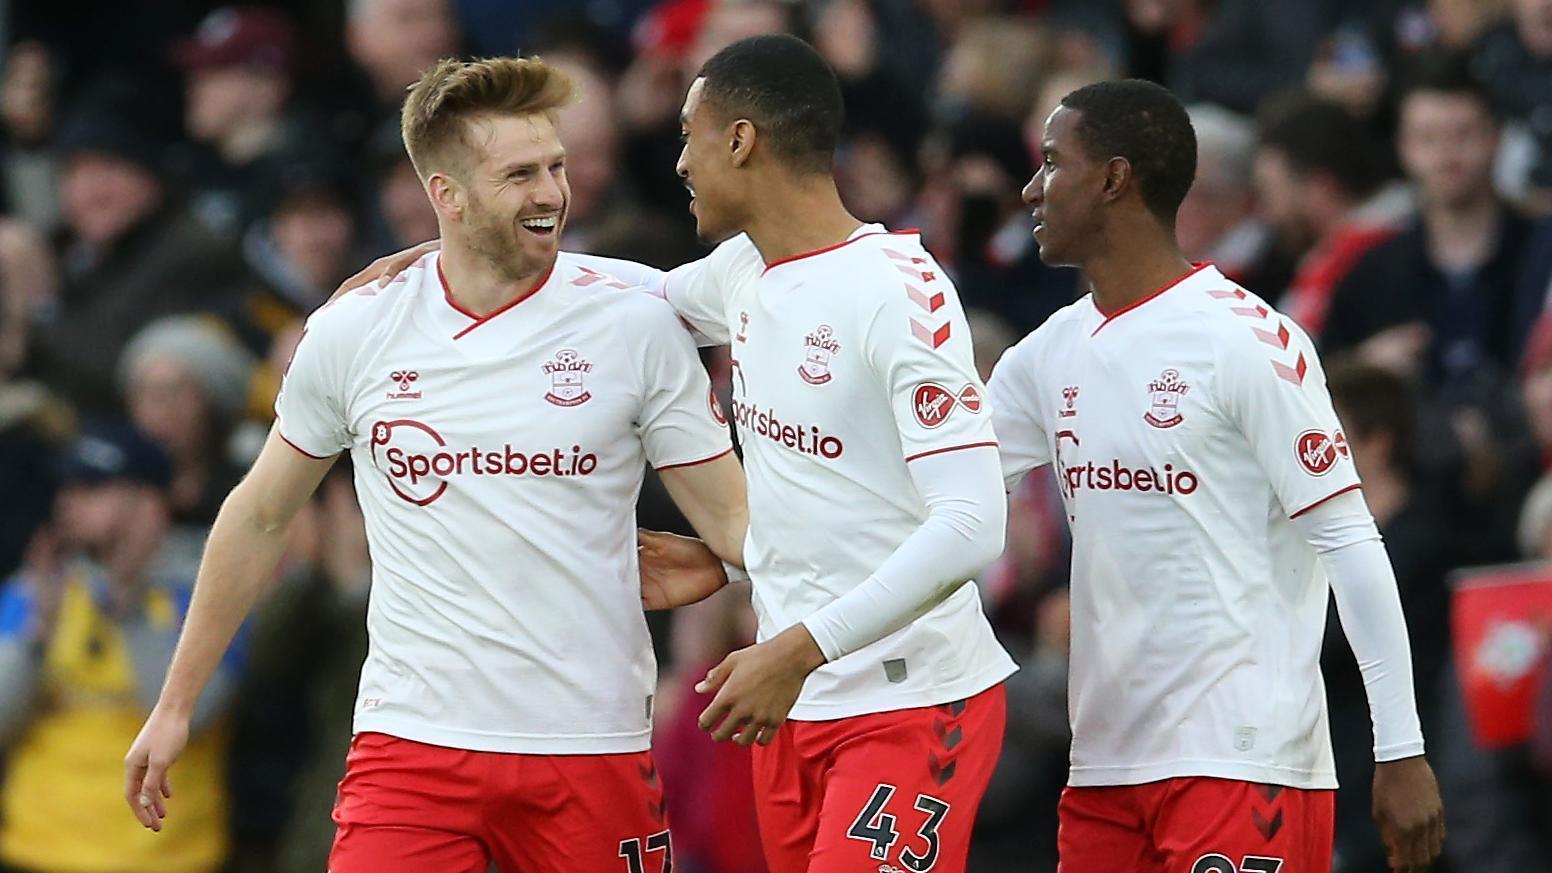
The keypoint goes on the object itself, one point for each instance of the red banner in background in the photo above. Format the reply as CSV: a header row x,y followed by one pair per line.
x,y
1501,620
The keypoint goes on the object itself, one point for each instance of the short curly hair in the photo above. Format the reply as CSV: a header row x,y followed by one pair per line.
x,y
437,112
1148,126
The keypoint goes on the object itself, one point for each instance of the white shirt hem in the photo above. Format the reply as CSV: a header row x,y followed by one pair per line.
x,y
521,744
1266,774
827,710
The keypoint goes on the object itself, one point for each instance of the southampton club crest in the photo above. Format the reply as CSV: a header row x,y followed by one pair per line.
x,y
567,372
819,347
1164,395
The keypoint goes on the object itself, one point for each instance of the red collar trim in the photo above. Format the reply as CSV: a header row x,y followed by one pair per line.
x,y
1195,268
447,293
846,242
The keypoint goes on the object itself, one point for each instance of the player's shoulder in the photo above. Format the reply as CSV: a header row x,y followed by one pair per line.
x,y
361,313
1236,320
884,271
885,258
590,293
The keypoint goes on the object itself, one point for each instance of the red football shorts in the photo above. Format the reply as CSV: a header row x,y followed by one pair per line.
x,y
411,807
885,791
1195,825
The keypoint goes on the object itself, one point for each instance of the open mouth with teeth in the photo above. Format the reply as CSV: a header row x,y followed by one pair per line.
x,y
544,225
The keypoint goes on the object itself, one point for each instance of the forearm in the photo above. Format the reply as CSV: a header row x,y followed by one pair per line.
x,y
240,559
725,538
21,669
963,532
151,649
713,498
1369,606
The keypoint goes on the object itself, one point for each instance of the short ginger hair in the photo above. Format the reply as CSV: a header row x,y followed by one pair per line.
x,y
437,112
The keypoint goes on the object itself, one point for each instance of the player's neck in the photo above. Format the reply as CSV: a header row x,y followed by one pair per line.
x,y
1129,272
479,287
799,215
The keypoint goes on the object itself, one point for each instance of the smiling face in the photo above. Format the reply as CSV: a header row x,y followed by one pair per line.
x,y
508,203
1065,193
707,168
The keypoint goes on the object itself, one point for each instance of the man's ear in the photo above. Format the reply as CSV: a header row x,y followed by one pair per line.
x,y
742,136
1118,178
448,197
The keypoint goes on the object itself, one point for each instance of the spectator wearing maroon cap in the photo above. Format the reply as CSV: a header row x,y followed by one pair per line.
x,y
238,74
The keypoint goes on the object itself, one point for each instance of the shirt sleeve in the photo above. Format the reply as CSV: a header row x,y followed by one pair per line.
x,y
918,344
698,290
1021,436
1273,389
1344,534
963,532
680,422
310,409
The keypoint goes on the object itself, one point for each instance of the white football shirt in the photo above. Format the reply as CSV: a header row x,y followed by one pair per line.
x,y
1186,430
848,363
497,461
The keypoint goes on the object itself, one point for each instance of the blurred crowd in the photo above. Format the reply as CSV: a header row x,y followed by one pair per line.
x,y
181,184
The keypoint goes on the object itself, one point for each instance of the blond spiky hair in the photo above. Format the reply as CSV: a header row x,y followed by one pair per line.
x,y
437,111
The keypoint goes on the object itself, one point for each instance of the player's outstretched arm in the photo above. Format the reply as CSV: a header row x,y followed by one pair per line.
x,y
245,545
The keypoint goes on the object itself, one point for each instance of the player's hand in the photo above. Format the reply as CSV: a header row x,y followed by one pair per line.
x,y
757,686
385,268
146,787
676,570
1409,813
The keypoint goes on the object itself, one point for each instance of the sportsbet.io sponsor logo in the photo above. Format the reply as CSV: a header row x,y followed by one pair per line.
x,y
806,438
1116,476
419,463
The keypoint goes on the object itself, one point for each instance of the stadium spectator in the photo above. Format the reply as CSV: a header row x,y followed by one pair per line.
x,y
1316,180
86,632
1251,49
238,69
976,224
295,255
28,167
394,41
1515,60
186,382
992,66
1217,221
130,254
396,212
1440,300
